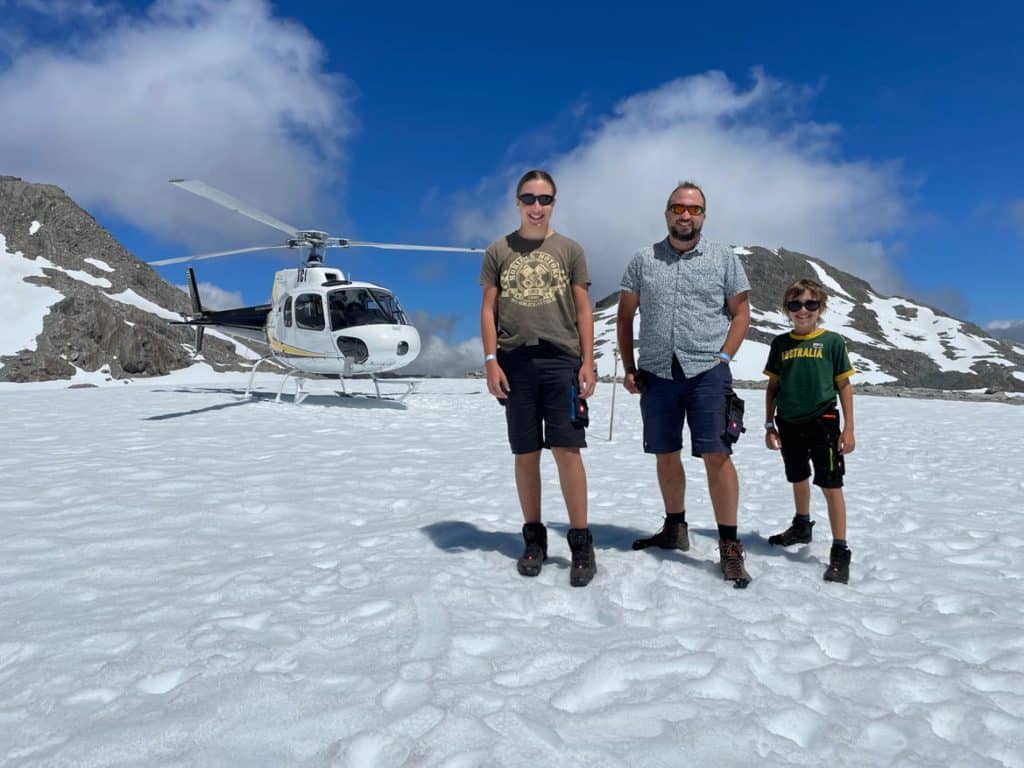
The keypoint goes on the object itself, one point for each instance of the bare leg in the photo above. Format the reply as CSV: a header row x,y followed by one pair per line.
x,y
573,478
802,497
724,487
836,511
528,485
672,481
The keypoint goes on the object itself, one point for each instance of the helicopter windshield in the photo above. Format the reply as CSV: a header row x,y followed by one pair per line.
x,y
363,306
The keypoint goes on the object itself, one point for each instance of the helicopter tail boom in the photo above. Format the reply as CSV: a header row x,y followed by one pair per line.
x,y
244,322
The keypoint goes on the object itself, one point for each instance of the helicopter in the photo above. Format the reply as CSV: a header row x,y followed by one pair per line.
x,y
318,321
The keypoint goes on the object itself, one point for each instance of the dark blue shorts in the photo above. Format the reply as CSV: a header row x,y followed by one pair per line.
x,y
539,408
667,404
813,443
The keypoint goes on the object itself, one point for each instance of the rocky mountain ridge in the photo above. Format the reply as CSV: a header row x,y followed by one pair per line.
x,y
99,307
893,341
76,300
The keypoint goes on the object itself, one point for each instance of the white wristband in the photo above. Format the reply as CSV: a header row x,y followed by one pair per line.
x,y
490,356
725,356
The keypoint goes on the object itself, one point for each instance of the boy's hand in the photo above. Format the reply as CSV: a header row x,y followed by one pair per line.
x,y
846,441
771,439
497,384
587,379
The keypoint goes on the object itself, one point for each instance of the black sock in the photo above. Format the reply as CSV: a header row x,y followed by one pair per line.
x,y
727,533
840,543
674,518
803,521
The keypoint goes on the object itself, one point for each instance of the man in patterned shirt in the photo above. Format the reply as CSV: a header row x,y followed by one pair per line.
x,y
692,295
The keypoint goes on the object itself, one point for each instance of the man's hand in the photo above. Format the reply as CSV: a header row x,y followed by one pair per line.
x,y
771,439
630,382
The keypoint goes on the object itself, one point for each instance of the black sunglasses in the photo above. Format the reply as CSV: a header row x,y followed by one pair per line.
x,y
528,198
811,305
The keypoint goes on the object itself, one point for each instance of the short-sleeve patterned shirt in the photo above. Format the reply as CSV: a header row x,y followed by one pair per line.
x,y
682,304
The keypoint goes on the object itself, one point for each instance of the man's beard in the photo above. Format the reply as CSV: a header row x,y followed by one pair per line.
x,y
683,235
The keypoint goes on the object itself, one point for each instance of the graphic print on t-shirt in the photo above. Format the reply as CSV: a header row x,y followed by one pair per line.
x,y
534,279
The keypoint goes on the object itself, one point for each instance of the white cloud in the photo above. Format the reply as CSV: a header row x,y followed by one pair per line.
x,y
438,356
68,10
221,91
771,179
214,297
1007,329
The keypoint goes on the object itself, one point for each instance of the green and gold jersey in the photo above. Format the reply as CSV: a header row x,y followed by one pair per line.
x,y
807,369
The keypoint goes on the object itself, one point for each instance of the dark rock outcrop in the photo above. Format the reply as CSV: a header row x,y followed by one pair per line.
x,y
88,328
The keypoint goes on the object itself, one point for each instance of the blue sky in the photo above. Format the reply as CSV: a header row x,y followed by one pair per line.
x,y
886,139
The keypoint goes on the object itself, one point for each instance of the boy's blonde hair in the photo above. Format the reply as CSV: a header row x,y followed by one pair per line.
x,y
812,286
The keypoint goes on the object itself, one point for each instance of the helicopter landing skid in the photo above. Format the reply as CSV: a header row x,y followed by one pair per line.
x,y
410,387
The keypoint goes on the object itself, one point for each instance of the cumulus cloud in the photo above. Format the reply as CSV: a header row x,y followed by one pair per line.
x,y
772,178
220,90
1012,330
438,355
214,297
64,11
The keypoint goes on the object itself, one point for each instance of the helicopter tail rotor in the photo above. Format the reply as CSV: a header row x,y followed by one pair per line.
x,y
197,309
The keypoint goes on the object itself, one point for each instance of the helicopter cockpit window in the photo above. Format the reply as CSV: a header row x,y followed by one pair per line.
x,y
309,312
362,306
390,307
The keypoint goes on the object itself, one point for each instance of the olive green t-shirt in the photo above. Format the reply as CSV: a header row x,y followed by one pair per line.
x,y
534,280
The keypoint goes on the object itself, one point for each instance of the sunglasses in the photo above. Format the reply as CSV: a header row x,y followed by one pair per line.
x,y
811,305
528,198
679,209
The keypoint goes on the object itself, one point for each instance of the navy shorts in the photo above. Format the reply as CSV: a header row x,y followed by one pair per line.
x,y
542,385
667,404
813,443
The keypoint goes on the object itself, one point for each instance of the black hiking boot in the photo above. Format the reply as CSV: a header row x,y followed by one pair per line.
x,y
838,565
799,532
535,535
583,566
671,536
731,556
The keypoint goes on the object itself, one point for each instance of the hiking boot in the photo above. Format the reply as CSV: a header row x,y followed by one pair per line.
x,y
731,562
799,532
535,535
583,566
838,565
671,536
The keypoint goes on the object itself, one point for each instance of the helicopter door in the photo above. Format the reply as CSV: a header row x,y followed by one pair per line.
x,y
308,334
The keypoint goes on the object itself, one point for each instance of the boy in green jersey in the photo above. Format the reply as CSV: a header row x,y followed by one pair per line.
x,y
807,368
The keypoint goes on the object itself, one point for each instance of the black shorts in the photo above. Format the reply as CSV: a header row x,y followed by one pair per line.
x,y
814,442
542,384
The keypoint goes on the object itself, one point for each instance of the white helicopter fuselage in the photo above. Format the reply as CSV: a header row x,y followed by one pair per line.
x,y
321,323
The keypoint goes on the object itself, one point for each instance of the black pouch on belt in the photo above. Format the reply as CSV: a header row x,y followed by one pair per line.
x,y
733,418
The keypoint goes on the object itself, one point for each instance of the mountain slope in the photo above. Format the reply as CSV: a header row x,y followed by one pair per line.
x,y
891,340
75,300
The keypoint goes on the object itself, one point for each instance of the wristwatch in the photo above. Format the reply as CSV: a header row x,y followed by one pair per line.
x,y
769,425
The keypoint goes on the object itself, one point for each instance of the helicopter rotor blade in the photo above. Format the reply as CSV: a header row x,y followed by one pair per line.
x,y
342,243
201,256
231,203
